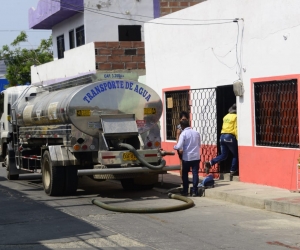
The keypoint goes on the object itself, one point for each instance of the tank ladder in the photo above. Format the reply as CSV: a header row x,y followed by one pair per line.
x,y
18,148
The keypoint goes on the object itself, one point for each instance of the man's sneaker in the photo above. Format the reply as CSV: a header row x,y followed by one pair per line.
x,y
207,167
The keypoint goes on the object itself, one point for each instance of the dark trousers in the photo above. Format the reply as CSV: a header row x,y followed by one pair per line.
x,y
228,144
186,165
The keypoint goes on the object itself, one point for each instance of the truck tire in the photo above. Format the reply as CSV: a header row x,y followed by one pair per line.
x,y
71,180
53,177
8,163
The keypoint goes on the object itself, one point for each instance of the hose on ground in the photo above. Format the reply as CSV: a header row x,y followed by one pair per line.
x,y
141,159
188,204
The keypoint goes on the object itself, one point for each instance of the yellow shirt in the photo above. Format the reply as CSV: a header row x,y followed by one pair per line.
x,y
230,125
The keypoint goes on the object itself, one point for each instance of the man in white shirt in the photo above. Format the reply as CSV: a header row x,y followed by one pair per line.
x,y
190,142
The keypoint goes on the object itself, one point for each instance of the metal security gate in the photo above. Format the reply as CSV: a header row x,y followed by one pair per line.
x,y
203,107
177,101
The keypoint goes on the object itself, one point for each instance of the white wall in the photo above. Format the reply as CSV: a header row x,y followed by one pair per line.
x,y
205,55
77,62
103,25
63,28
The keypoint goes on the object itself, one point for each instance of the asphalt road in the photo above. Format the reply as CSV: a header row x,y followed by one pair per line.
x,y
29,219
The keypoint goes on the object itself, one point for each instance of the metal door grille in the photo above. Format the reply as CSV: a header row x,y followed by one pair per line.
x,y
204,120
177,101
276,113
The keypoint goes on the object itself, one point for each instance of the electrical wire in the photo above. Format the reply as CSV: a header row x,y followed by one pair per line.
x,y
236,48
216,21
24,30
169,18
241,49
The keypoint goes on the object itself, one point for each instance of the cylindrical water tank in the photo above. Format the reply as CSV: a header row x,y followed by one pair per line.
x,y
83,105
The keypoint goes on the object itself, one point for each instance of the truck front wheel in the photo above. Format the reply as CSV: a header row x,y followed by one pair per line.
x,y
10,163
53,177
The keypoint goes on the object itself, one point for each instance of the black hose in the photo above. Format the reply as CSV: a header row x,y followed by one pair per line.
x,y
141,159
188,204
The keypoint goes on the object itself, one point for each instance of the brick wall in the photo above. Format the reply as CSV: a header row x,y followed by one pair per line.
x,y
119,55
170,6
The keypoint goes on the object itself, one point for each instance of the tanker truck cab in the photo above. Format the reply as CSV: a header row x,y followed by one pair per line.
x,y
106,130
7,98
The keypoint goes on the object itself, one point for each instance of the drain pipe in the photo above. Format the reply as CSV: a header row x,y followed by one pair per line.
x,y
141,159
188,204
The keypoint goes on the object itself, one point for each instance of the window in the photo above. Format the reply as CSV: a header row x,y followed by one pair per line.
x,y
80,39
60,46
276,113
176,101
130,33
72,39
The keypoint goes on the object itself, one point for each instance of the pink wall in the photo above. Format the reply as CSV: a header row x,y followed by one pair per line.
x,y
275,167
270,166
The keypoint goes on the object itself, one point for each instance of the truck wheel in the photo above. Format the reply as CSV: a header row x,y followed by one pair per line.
x,y
71,180
53,177
8,164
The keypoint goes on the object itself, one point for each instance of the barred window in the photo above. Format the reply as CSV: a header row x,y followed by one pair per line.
x,y
276,113
80,37
71,39
60,46
176,101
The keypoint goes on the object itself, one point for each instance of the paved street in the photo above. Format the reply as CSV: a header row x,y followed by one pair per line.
x,y
32,220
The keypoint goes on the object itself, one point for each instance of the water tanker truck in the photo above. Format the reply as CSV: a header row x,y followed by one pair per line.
x,y
103,129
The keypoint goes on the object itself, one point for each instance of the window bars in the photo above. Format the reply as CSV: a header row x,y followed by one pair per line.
x,y
177,101
201,103
276,113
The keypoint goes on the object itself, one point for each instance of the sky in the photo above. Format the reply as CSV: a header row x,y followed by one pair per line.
x,y
14,19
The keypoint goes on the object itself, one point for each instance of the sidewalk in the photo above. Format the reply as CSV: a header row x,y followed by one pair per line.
x,y
251,195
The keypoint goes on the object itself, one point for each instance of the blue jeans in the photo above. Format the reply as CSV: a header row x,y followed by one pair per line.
x,y
186,165
228,143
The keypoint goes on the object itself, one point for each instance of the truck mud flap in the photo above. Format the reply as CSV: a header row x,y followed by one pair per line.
x,y
61,156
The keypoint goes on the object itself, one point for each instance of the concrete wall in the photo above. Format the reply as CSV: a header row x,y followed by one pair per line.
x,y
263,43
101,20
77,62
63,28
102,24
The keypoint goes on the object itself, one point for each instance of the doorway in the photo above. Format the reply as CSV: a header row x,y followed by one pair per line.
x,y
225,98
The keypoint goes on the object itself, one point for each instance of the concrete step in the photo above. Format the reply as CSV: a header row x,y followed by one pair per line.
x,y
227,177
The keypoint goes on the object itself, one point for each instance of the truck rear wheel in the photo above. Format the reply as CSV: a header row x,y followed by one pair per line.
x,y
71,180
53,177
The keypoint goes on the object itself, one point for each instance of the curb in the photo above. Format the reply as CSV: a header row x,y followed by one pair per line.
x,y
281,205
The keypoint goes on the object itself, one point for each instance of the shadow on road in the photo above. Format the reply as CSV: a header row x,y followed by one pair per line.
x,y
25,222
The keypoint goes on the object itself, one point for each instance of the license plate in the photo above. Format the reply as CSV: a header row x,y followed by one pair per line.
x,y
128,156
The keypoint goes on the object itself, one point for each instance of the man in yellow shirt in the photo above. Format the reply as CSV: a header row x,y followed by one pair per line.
x,y
228,141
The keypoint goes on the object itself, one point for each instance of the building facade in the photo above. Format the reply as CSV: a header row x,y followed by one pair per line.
x,y
90,36
195,63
